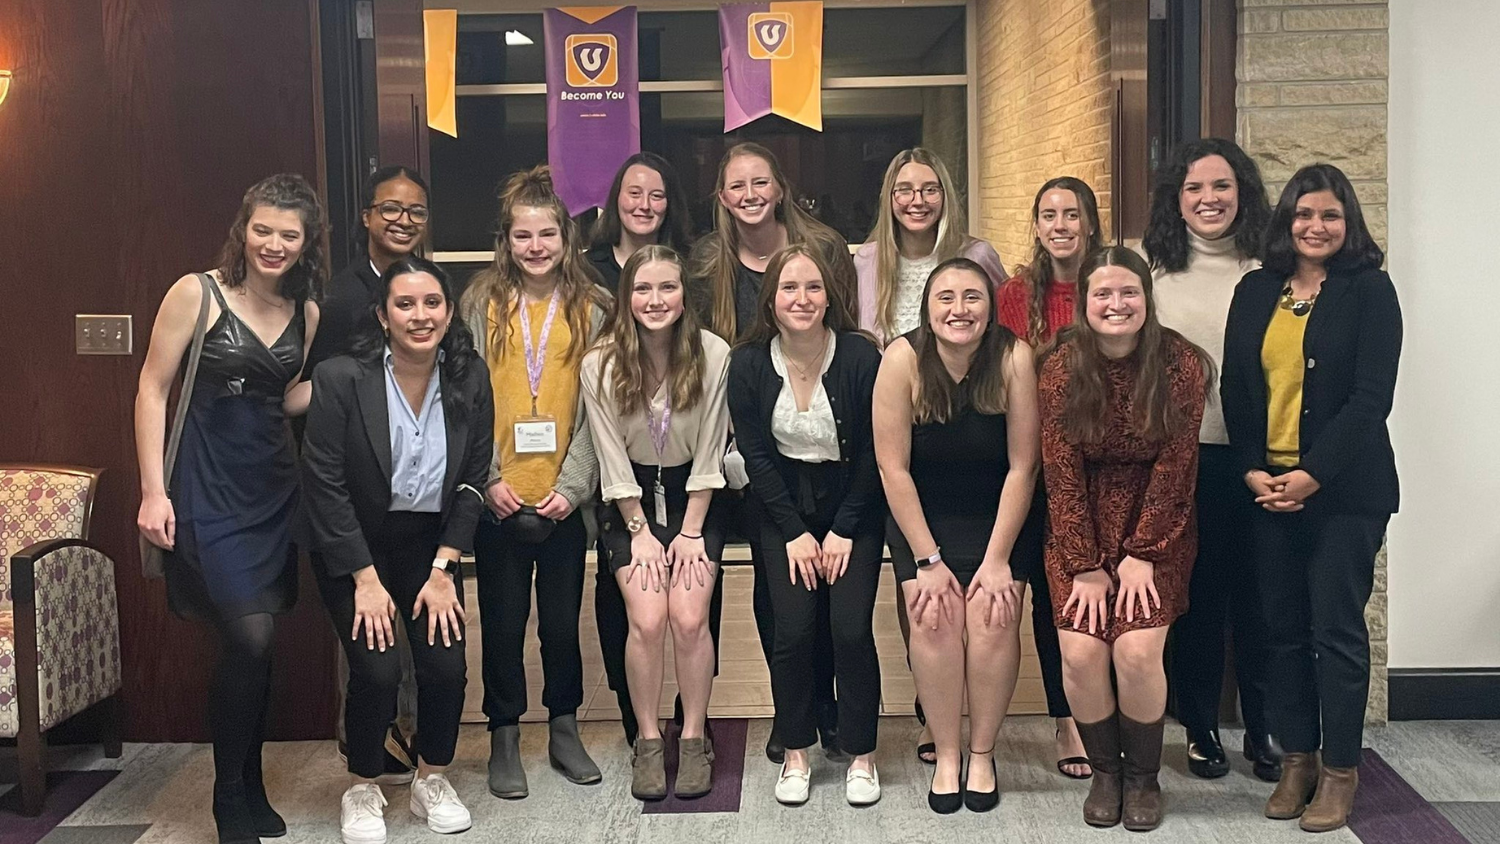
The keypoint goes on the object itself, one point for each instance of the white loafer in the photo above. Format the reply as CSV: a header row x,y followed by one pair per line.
x,y
861,787
792,786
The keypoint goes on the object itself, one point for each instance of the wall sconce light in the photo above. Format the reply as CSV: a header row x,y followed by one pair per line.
x,y
5,77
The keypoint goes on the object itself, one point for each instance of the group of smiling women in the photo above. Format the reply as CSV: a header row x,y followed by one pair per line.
x,y
1190,441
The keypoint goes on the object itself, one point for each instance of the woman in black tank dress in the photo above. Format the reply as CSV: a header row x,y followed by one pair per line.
x,y
225,515
957,439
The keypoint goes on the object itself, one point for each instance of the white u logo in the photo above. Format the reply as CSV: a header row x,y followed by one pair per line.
x,y
591,59
770,34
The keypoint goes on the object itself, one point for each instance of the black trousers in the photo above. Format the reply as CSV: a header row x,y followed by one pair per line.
x,y
849,604
1044,632
505,568
1221,595
1315,572
403,555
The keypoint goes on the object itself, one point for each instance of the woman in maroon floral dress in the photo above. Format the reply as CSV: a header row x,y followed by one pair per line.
x,y
1121,403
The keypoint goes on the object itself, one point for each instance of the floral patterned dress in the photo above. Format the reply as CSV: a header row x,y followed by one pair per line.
x,y
1124,495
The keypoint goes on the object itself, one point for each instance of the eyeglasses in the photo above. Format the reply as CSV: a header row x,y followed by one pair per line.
x,y
392,211
930,193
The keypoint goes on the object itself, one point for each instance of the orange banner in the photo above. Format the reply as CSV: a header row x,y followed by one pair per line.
x,y
440,43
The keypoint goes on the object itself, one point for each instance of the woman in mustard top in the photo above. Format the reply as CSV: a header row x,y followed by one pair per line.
x,y
1310,357
533,313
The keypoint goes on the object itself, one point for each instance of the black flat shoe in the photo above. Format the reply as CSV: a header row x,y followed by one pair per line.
x,y
1205,754
945,804
1264,752
775,750
982,801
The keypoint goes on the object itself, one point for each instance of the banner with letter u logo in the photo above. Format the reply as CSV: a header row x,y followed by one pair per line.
x,y
593,100
773,62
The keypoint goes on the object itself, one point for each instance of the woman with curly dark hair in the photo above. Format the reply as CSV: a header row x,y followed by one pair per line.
x,y
1208,214
224,515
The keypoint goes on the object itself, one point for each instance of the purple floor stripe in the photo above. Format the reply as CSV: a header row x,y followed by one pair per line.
x,y
1387,810
729,771
66,791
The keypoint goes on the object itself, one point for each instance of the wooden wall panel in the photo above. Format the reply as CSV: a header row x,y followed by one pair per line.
x,y
132,132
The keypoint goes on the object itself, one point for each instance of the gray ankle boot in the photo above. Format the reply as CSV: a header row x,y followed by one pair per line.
x,y
507,776
565,751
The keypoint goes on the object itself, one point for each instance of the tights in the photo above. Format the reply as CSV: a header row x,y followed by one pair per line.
x,y
242,683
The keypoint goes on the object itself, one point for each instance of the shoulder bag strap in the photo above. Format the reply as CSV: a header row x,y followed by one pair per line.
x,y
188,377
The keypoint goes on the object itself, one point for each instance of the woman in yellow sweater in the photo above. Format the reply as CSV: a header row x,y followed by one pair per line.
x,y
533,313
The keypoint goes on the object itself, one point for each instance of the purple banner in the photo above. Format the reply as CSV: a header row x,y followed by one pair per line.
x,y
747,81
593,100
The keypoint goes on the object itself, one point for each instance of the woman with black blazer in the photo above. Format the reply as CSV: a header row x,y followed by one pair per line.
x,y
800,390
397,450
1310,357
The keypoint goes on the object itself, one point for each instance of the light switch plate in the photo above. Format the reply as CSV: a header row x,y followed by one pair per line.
x,y
103,334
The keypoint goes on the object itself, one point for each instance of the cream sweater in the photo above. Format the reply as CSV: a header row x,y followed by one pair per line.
x,y
1195,302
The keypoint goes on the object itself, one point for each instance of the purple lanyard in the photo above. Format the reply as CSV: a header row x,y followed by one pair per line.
x,y
535,359
659,433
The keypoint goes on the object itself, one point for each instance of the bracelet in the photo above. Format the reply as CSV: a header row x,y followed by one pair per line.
x,y
690,536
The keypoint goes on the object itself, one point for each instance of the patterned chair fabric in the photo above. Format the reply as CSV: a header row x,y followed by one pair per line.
x,y
78,641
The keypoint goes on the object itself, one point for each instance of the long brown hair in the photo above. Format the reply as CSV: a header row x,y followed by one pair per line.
x,y
952,232
284,192
1086,406
840,313
986,377
1038,273
500,282
620,344
717,255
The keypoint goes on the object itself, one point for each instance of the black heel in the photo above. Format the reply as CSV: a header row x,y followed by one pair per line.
x,y
981,801
946,804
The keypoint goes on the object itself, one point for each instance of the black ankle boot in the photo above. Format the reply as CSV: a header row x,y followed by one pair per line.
x,y
1205,754
265,820
1265,753
232,815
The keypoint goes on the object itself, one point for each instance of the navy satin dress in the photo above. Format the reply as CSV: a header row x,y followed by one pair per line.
x,y
234,486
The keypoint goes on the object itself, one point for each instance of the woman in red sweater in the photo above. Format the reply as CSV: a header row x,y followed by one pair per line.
x,y
1036,302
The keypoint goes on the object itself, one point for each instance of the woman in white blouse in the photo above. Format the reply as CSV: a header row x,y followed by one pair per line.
x,y
654,387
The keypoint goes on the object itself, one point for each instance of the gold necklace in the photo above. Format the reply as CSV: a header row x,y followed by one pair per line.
x,y
1298,307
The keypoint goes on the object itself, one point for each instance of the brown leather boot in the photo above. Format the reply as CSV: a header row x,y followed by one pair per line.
x,y
1142,795
1299,778
1101,740
1330,809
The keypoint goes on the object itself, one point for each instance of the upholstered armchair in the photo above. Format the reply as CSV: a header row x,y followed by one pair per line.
x,y
59,623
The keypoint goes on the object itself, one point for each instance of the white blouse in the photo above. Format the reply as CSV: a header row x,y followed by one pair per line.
x,y
698,435
810,436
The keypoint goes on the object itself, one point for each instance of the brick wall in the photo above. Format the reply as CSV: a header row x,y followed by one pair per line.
x,y
1045,102
1312,87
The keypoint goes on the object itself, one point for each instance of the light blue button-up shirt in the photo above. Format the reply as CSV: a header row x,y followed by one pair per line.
x,y
419,445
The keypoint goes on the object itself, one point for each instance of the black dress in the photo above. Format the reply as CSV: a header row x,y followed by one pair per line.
x,y
959,469
234,486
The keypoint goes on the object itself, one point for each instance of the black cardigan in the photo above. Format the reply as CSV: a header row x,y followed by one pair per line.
x,y
850,383
346,461
1352,346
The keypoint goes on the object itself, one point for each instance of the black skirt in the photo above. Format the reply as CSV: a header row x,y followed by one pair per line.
x,y
615,538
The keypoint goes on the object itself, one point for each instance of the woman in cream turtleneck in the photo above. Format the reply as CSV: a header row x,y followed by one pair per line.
x,y
1208,213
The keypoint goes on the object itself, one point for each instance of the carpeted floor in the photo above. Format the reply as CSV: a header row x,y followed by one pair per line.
x,y
1422,783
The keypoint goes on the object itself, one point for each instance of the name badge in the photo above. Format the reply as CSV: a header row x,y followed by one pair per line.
x,y
536,435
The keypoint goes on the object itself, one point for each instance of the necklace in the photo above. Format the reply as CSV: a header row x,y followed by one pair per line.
x,y
247,290
1298,307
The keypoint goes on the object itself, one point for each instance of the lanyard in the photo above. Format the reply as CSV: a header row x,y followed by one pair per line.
x,y
659,443
535,359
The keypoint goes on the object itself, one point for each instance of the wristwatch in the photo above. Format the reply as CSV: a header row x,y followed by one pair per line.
x,y
636,524
924,562
441,563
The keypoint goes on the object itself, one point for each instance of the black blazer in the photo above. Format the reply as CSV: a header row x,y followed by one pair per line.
x,y
1352,347
345,306
850,383
346,460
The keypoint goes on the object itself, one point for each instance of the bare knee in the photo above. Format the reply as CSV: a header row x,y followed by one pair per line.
x,y
689,618
1085,659
1138,658
648,624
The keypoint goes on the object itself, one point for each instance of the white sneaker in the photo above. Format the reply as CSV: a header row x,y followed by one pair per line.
x,y
434,800
791,786
360,817
862,787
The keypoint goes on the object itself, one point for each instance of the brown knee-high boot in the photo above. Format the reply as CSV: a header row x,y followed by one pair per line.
x,y
1142,797
1101,740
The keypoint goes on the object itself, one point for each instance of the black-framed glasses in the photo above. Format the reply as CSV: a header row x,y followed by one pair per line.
x,y
905,194
392,211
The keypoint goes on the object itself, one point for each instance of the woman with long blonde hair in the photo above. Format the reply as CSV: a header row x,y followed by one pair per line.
x,y
655,388
533,313
923,225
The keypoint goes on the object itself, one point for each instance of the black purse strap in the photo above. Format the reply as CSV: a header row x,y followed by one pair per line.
x,y
188,377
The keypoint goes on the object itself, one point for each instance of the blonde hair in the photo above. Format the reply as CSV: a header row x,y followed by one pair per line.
x,y
952,232
500,282
620,344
